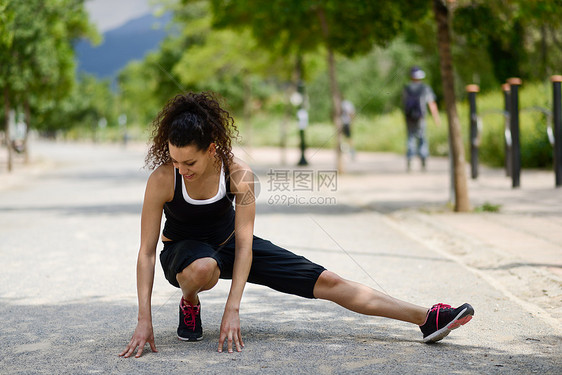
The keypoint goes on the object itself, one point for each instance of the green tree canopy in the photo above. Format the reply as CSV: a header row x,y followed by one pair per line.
x,y
36,54
296,27
520,37
291,25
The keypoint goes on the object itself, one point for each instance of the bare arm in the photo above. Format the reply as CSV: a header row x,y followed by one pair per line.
x,y
242,185
434,113
157,193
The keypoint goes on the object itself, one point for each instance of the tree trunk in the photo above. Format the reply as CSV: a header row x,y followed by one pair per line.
x,y
544,52
462,203
248,111
284,126
334,88
27,111
7,134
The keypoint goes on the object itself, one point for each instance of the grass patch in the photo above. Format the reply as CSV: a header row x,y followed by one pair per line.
x,y
488,207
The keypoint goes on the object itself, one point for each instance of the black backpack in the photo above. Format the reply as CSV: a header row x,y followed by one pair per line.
x,y
413,106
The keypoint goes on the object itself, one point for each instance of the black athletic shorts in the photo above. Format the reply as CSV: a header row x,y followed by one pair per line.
x,y
272,265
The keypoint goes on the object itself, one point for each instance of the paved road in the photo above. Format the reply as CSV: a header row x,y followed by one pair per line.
x,y
69,230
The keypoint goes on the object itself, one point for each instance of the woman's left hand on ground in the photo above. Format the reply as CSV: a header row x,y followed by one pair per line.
x,y
230,331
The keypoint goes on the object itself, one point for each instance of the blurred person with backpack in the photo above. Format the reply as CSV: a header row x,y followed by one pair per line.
x,y
416,98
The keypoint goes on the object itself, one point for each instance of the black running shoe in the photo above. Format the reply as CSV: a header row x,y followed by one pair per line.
x,y
441,319
190,328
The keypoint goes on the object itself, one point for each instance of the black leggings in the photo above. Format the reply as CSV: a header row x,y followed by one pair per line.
x,y
272,265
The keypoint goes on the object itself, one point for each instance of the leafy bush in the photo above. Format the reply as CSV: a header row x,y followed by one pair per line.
x,y
536,151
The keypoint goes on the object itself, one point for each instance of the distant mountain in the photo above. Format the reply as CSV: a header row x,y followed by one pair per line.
x,y
121,45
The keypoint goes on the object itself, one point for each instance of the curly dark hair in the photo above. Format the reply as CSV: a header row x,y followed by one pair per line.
x,y
191,119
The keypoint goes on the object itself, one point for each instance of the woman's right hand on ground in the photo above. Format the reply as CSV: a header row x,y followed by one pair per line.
x,y
143,334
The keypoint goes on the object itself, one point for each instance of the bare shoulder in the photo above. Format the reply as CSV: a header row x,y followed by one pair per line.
x,y
163,174
239,165
241,175
161,182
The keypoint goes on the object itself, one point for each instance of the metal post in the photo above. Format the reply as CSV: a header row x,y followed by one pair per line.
x,y
557,124
452,196
302,160
507,131
301,90
514,84
474,133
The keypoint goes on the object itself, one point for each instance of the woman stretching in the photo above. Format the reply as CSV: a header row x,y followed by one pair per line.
x,y
195,181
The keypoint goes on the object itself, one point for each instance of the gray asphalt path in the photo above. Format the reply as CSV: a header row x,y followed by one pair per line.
x,y
69,234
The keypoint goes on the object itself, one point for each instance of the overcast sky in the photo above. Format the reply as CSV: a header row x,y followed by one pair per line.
x,y
108,14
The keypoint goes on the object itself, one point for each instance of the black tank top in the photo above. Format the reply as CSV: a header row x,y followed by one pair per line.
x,y
212,223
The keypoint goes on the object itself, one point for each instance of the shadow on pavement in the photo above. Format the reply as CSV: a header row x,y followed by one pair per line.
x,y
102,209
369,254
283,335
263,208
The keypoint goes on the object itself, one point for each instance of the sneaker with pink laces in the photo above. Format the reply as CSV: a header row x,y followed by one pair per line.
x,y
442,319
190,328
